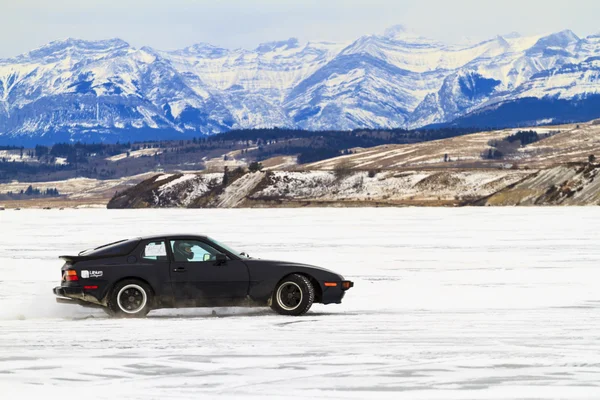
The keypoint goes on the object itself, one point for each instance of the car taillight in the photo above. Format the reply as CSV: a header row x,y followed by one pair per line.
x,y
71,275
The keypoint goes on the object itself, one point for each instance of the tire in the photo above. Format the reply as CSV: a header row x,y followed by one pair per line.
x,y
130,298
293,295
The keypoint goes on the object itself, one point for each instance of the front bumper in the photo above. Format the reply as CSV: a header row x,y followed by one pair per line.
x,y
335,294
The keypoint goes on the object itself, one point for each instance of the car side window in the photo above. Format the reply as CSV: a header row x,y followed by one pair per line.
x,y
193,251
155,251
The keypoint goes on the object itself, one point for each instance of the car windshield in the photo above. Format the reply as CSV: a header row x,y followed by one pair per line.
x,y
229,249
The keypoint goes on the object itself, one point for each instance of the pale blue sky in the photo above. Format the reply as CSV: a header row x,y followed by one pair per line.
x,y
170,24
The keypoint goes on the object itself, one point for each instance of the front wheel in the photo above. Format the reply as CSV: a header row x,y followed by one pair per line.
x,y
294,295
130,299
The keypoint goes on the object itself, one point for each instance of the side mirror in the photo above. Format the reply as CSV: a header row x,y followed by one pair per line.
x,y
221,258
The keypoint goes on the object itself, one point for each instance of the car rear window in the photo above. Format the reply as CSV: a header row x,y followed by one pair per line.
x,y
120,247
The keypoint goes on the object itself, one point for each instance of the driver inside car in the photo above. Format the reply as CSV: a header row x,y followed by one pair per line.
x,y
184,251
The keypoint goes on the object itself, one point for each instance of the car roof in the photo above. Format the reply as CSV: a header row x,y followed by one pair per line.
x,y
173,235
125,246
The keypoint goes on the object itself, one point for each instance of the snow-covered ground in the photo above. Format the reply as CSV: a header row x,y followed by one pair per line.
x,y
469,303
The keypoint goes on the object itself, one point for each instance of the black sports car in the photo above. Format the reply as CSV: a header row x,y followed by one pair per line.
x,y
130,277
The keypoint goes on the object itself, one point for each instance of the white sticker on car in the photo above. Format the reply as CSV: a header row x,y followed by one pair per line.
x,y
91,274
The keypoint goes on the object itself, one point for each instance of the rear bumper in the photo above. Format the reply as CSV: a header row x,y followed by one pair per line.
x,y
65,291
75,295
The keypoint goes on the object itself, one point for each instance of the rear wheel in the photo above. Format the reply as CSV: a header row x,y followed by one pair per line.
x,y
294,295
130,298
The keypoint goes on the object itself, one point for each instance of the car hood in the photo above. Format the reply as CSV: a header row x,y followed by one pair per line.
x,y
287,264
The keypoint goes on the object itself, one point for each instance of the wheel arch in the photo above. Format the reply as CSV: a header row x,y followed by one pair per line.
x,y
110,287
316,286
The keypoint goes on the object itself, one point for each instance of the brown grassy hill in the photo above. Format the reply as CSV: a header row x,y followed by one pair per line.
x,y
556,144
566,184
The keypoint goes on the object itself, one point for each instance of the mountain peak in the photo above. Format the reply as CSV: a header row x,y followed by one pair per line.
x,y
392,79
201,49
60,45
201,46
396,30
512,35
290,43
400,32
92,44
559,39
569,35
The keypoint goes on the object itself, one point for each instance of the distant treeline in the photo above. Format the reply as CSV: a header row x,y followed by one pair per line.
x,y
77,152
525,137
72,152
338,139
499,149
389,135
322,145
10,148
30,192
309,146
10,168
75,155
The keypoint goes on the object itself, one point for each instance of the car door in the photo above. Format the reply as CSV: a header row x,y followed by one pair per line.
x,y
199,279
153,265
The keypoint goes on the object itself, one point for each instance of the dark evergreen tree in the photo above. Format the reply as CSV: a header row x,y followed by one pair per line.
x,y
255,166
226,177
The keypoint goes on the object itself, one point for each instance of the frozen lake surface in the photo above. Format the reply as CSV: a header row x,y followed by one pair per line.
x,y
449,304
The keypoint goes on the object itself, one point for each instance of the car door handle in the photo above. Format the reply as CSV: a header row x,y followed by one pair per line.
x,y
180,269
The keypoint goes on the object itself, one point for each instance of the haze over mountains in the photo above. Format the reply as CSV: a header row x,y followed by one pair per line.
x,y
107,90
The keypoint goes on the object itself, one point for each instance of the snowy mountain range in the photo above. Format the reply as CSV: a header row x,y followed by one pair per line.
x,y
107,90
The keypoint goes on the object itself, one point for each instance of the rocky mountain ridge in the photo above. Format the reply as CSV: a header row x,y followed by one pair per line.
x,y
108,90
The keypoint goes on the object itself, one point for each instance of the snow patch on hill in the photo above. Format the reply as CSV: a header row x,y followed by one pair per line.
x,y
182,191
386,186
281,187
